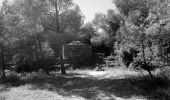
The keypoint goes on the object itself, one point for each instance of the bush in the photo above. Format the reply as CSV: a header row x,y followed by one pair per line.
x,y
152,61
128,56
45,64
22,63
165,73
12,78
139,64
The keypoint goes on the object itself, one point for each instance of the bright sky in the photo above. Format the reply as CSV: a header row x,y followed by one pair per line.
x,y
1,2
90,7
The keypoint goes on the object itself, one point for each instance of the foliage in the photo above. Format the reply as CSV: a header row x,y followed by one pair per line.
x,y
31,26
12,78
128,56
87,32
164,49
25,63
22,63
125,6
142,28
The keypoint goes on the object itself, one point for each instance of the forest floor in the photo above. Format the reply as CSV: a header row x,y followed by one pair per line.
x,y
111,84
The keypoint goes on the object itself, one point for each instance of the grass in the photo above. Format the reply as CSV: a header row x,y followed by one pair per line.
x,y
112,84
157,88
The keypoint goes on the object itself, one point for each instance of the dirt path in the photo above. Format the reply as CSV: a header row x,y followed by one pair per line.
x,y
77,85
112,73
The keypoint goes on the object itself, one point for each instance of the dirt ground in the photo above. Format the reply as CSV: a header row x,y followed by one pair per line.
x,y
111,84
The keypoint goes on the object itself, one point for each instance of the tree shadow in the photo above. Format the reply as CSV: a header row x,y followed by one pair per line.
x,y
93,88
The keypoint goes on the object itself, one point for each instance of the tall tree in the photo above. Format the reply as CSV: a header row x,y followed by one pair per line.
x,y
64,9
140,16
6,39
49,16
31,11
102,22
86,33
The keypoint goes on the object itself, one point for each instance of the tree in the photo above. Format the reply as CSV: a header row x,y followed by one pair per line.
x,y
5,37
87,32
125,6
3,40
42,18
114,21
31,12
104,23
58,7
2,61
140,16
19,25
62,10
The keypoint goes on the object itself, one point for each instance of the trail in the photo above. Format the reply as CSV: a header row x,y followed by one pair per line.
x,y
77,85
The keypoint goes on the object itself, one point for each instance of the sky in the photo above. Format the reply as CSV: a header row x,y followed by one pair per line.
x,y
0,2
90,7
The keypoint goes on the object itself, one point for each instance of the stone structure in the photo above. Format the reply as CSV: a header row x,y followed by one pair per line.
x,y
78,53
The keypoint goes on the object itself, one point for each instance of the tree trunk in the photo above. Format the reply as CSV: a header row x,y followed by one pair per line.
x,y
42,56
145,64
2,62
61,45
61,53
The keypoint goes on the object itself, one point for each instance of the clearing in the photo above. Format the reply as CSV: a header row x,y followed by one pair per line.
x,y
112,84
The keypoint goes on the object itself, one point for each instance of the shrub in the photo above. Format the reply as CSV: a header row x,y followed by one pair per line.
x,y
22,63
45,64
139,64
165,73
12,78
128,56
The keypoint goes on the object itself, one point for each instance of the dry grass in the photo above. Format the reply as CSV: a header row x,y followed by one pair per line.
x,y
112,84
26,93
